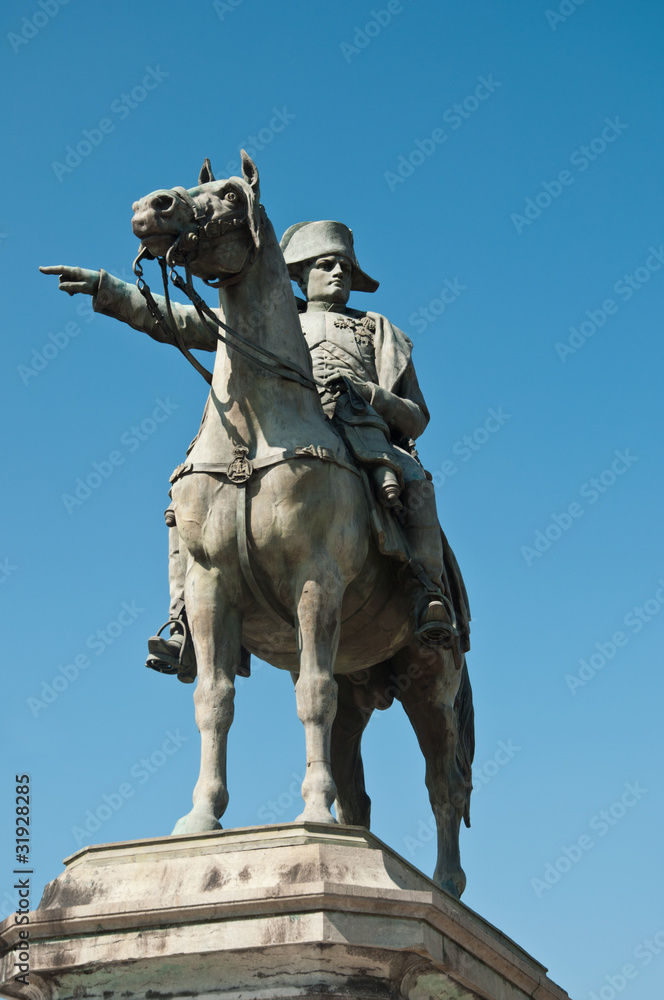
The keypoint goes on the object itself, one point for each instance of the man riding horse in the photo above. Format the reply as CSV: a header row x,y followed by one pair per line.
x,y
368,388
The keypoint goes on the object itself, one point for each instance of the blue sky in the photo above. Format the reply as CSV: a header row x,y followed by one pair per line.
x,y
501,169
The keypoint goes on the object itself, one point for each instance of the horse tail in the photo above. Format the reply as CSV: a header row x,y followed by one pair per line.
x,y
465,745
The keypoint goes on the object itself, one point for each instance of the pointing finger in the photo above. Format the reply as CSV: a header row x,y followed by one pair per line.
x,y
66,272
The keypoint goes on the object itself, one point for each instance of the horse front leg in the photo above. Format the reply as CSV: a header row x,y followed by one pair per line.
x,y
217,633
318,624
438,702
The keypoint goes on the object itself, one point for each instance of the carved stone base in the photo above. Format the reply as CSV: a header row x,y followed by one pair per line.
x,y
264,913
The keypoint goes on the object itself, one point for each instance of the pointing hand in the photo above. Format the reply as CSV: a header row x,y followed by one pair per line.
x,y
74,279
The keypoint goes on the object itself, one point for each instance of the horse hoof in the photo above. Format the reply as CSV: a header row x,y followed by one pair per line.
x,y
196,822
453,884
316,816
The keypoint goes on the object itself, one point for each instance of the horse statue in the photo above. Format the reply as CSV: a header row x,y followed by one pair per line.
x,y
276,538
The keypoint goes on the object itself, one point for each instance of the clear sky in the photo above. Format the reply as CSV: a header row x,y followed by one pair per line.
x,y
501,167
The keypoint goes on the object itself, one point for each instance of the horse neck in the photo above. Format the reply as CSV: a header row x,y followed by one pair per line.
x,y
262,307
255,408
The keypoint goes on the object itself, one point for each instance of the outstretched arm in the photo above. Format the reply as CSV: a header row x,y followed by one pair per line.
x,y
124,302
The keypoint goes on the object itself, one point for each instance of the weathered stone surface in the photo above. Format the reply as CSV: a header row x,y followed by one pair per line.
x,y
284,911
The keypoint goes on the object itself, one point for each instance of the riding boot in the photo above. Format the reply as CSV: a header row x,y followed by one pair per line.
x,y
176,654
434,612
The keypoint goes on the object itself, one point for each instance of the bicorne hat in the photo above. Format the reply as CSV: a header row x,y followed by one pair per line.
x,y
308,240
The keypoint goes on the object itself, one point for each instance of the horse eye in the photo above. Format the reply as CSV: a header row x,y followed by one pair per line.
x,y
230,196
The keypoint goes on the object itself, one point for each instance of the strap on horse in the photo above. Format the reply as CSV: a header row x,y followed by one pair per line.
x,y
276,614
172,332
253,352
271,362
239,471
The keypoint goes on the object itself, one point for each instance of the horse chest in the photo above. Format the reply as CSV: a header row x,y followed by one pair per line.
x,y
205,511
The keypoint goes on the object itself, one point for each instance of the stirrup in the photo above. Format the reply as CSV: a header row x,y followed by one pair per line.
x,y
435,628
174,655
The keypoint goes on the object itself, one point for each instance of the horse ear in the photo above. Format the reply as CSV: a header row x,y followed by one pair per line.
x,y
249,172
206,174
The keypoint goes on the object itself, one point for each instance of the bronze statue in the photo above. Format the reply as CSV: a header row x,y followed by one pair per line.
x,y
375,357
285,549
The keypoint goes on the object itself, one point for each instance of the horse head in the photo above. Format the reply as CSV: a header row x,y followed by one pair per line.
x,y
213,228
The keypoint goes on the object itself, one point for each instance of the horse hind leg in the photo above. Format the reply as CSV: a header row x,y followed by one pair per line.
x,y
353,805
217,632
438,702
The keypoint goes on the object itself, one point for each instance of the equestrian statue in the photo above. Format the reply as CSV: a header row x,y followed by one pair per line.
x,y
303,528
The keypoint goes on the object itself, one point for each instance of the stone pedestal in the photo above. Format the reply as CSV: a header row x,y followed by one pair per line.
x,y
264,913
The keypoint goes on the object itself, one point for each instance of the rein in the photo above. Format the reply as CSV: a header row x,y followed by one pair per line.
x,y
188,241
253,352
153,308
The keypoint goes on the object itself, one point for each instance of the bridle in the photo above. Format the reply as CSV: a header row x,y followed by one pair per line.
x,y
186,244
189,243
